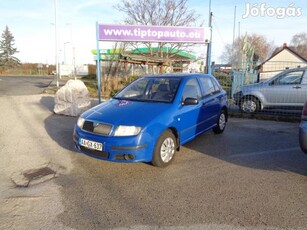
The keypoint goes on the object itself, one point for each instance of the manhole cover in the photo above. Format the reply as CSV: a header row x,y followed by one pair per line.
x,y
33,176
38,173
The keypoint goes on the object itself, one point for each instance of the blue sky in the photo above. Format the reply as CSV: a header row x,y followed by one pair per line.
x,y
32,24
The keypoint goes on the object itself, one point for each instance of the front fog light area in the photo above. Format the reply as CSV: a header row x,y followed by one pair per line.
x,y
127,130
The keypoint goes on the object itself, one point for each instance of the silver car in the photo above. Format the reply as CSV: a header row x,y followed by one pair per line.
x,y
286,89
303,130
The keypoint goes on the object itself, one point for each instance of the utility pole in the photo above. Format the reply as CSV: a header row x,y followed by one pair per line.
x,y
233,37
209,46
56,42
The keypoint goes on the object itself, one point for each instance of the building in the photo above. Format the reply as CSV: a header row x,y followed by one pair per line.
x,y
283,58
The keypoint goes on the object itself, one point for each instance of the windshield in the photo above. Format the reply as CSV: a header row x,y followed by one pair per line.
x,y
153,89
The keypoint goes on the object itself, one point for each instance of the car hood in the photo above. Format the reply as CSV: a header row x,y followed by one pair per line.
x,y
253,86
123,112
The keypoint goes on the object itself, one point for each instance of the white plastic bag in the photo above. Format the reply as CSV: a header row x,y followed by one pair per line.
x,y
72,99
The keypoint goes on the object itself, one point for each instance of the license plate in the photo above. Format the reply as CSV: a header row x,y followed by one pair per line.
x,y
91,144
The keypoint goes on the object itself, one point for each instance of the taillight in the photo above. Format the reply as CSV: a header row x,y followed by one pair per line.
x,y
305,109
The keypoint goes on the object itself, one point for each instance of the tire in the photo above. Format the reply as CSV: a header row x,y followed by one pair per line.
x,y
250,105
220,123
165,149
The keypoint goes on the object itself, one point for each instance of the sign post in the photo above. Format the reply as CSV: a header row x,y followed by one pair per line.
x,y
98,68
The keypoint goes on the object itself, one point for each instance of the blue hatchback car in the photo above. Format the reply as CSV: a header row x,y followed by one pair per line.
x,y
149,119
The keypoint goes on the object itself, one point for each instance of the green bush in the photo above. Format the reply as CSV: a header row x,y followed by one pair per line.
x,y
224,79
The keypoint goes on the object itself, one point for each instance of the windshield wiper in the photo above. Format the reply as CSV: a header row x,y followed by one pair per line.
x,y
122,98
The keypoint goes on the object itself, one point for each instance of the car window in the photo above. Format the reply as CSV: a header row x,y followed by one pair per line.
x,y
150,89
191,89
291,78
136,89
304,80
210,87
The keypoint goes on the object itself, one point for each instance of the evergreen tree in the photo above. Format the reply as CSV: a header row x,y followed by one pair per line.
x,y
7,50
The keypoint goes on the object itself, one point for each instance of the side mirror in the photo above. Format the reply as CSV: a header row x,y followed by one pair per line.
x,y
190,101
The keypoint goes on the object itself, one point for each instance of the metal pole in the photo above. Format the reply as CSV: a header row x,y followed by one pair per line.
x,y
233,39
234,26
98,63
56,42
210,42
209,46
74,62
73,51
65,61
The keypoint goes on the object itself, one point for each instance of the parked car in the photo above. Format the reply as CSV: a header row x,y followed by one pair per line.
x,y
150,118
303,130
286,89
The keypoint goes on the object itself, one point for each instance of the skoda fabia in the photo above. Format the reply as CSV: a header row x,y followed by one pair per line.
x,y
149,119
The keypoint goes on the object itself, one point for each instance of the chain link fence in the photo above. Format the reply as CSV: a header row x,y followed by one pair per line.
x,y
282,94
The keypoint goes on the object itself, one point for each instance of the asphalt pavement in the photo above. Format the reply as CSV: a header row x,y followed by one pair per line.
x,y
253,176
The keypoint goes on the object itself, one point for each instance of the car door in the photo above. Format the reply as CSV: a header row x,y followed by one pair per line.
x,y
302,88
211,102
288,89
189,115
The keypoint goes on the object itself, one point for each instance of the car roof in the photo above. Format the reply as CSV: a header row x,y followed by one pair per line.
x,y
180,75
294,69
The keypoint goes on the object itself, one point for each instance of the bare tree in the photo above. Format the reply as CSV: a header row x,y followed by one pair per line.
x,y
159,13
299,44
262,49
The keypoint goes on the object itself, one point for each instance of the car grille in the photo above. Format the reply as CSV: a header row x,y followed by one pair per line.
x,y
103,129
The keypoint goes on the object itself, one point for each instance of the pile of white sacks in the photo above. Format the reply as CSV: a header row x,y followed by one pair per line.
x,y
72,99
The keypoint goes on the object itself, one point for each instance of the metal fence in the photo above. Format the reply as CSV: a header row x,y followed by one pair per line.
x,y
241,78
283,98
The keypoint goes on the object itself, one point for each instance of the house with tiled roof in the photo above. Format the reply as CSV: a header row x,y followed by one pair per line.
x,y
282,58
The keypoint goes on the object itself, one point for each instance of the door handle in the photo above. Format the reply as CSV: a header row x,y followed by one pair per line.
x,y
297,87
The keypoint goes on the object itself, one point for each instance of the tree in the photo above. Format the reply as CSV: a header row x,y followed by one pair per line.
x,y
233,53
159,13
7,50
299,44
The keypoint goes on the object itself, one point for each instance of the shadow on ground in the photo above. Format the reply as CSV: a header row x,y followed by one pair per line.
x,y
59,127
265,145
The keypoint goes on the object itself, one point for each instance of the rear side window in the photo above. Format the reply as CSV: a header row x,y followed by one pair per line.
x,y
210,86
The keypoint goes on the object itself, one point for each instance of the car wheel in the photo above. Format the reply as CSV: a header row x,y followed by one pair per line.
x,y
249,104
165,149
221,123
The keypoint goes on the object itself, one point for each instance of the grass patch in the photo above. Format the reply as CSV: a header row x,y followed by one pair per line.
x,y
92,88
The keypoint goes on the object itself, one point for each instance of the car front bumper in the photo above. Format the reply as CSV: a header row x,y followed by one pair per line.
x,y
303,135
117,149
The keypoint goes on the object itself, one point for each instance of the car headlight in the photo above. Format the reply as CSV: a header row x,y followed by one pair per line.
x,y
123,130
80,122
